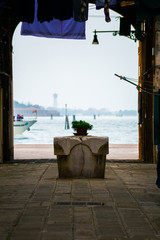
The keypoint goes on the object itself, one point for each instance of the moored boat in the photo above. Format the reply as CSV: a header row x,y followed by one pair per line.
x,y
20,126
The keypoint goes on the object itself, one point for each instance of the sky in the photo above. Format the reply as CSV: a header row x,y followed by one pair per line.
x,y
80,73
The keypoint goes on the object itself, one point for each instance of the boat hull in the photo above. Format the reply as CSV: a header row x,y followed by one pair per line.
x,y
22,126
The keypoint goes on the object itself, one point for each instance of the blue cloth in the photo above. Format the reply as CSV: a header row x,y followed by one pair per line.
x,y
158,168
100,4
68,29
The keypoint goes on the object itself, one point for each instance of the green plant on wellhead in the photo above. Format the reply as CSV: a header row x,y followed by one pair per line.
x,y
81,124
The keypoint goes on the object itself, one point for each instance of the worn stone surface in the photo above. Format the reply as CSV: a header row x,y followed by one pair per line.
x,y
35,204
46,151
81,156
97,145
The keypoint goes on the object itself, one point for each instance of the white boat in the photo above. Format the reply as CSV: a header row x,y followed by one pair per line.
x,y
21,126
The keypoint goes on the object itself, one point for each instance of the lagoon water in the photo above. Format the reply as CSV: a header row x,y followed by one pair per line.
x,y
120,130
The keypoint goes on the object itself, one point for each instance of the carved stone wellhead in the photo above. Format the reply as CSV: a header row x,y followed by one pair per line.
x,y
81,156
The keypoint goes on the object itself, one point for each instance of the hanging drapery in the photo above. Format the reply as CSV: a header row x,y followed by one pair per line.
x,y
100,4
106,4
112,3
80,10
61,9
23,10
68,29
145,10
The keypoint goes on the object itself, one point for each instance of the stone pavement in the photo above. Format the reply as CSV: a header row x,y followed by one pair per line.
x,y
36,205
46,151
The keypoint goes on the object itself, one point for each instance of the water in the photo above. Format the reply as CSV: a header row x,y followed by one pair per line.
x,y
121,130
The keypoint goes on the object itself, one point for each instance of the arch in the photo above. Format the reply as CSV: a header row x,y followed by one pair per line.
x,y
6,83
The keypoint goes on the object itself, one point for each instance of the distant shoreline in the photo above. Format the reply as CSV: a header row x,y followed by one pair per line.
x,y
26,110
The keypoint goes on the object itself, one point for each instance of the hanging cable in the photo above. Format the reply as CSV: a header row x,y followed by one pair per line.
x,y
132,79
137,86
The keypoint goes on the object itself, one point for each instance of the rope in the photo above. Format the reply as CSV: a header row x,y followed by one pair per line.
x,y
137,86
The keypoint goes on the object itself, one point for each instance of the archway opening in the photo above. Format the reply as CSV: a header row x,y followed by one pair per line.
x,y
82,75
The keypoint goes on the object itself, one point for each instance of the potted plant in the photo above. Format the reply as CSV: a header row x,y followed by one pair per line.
x,y
81,127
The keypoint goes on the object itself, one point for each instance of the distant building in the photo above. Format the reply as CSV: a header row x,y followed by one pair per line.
x,y
30,111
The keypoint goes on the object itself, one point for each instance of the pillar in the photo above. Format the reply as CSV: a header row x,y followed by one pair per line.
x,y
6,89
156,79
146,82
1,124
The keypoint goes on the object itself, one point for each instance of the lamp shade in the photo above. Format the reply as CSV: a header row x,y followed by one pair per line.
x,y
95,40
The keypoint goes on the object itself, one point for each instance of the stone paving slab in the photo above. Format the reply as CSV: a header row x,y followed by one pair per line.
x,y
36,205
46,151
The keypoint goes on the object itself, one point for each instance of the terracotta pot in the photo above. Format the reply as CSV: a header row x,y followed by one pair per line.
x,y
81,132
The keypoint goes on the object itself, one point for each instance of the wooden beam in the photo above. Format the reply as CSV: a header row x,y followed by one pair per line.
x,y
1,124
141,155
146,82
7,84
156,64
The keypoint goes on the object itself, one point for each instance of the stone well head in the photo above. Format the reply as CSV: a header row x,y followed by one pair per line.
x,y
81,157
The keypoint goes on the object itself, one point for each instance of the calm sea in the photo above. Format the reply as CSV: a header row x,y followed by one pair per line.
x,y
121,130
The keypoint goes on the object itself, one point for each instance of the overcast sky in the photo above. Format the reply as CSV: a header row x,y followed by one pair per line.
x,y
80,73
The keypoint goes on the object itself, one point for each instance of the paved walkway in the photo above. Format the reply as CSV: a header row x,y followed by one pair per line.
x,y
46,151
36,205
